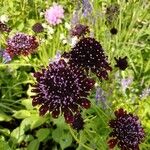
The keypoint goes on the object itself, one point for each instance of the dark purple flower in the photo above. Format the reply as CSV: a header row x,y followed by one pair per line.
x,y
61,89
89,54
127,132
79,30
121,63
21,44
113,31
37,28
4,27
78,123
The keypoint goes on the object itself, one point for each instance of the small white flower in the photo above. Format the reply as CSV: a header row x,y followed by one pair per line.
x,y
50,36
96,84
67,26
145,93
112,49
4,18
62,36
73,41
41,14
42,40
64,41
44,25
50,30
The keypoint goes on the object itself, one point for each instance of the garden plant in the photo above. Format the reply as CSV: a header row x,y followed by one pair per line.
x,y
74,75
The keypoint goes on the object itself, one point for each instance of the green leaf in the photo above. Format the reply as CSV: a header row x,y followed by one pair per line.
x,y
26,123
42,134
20,26
11,6
27,103
37,121
21,114
34,145
4,146
32,22
17,135
4,117
60,122
32,122
29,138
63,137
5,131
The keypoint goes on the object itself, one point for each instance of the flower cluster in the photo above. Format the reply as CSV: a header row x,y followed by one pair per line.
x,y
4,27
61,89
127,131
89,54
21,44
54,14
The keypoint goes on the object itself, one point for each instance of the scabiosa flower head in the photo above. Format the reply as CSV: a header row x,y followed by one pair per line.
x,y
78,123
54,14
61,89
21,44
121,63
89,54
4,27
113,31
37,28
80,30
127,131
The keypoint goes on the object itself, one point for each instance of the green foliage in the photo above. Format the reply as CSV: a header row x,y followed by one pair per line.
x,y
4,117
21,114
4,145
62,137
42,134
33,145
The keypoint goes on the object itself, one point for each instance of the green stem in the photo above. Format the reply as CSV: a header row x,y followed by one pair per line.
x,y
72,133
